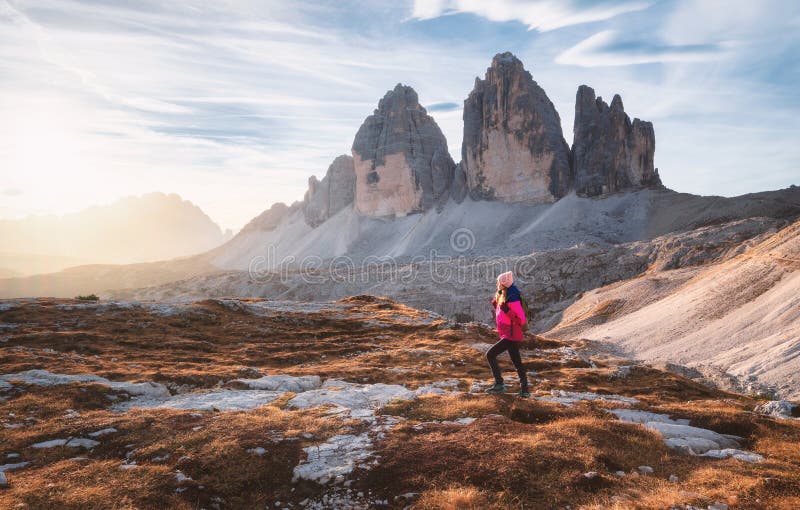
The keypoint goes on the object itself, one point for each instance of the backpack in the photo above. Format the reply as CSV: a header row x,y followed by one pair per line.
x,y
525,327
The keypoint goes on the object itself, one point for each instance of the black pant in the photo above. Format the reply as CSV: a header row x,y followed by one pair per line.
x,y
513,351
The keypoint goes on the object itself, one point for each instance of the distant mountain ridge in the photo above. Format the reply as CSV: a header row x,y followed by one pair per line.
x,y
151,227
513,151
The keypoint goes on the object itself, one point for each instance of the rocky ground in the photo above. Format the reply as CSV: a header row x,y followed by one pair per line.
x,y
358,403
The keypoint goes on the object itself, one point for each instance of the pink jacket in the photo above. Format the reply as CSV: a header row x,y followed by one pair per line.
x,y
509,324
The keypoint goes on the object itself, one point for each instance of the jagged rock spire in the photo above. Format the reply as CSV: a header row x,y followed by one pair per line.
x,y
609,152
400,156
332,194
513,148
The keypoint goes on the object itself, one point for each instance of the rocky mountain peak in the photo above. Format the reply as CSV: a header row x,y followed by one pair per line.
x,y
506,60
513,148
270,219
616,103
400,96
513,151
609,152
333,193
400,156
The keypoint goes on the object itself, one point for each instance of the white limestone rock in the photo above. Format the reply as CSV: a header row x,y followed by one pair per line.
x,y
45,378
294,384
213,400
679,435
735,453
351,396
73,442
568,398
102,432
781,409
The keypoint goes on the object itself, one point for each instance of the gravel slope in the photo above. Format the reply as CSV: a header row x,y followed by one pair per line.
x,y
741,315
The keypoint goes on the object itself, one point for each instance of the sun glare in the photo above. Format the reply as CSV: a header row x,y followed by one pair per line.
x,y
47,154
45,145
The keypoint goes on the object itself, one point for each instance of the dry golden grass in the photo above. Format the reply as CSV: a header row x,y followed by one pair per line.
x,y
517,454
469,405
455,498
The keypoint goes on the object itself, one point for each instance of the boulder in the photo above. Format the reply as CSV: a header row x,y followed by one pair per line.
x,y
513,148
609,152
779,409
400,156
332,194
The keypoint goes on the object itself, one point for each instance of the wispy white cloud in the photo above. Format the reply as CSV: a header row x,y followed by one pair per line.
x,y
542,15
699,22
606,48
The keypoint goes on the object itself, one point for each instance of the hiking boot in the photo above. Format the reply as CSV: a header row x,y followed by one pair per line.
x,y
524,394
497,388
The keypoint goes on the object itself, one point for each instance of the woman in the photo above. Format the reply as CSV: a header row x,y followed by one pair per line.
x,y
509,317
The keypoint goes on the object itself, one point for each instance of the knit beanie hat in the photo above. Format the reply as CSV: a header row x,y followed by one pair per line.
x,y
506,279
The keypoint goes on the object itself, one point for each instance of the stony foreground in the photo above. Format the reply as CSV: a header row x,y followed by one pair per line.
x,y
360,403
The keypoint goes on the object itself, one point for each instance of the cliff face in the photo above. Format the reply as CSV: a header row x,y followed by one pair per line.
x,y
609,152
513,148
400,157
513,151
332,194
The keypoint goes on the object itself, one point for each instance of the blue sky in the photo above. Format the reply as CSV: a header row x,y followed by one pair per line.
x,y
234,104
